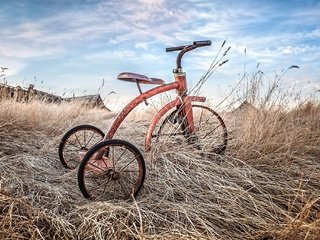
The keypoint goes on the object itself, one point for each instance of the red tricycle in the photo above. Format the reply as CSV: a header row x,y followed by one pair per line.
x,y
115,169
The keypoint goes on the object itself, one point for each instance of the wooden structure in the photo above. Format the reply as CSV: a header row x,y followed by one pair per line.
x,y
29,94
20,94
91,101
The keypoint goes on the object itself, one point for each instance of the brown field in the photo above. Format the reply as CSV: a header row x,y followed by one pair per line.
x,y
265,187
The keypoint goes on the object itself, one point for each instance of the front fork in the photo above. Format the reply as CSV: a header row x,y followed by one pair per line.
x,y
185,109
185,115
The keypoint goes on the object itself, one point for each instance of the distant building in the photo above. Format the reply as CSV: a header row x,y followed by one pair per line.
x,y
20,94
90,101
29,94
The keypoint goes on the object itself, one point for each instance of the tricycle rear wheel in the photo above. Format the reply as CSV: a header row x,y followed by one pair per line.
x,y
111,170
76,142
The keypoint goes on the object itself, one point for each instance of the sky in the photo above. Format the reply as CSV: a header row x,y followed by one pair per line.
x,y
80,46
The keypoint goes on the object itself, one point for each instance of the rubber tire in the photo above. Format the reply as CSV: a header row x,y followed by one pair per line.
x,y
171,117
92,150
68,134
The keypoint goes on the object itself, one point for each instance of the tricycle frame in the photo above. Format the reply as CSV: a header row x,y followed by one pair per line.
x,y
182,101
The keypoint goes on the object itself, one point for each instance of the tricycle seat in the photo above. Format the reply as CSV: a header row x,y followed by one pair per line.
x,y
134,77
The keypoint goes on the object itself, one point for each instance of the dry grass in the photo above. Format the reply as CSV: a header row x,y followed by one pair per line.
x,y
265,187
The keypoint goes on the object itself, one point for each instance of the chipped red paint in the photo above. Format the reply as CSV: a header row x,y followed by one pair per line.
x,y
135,102
180,78
187,111
180,85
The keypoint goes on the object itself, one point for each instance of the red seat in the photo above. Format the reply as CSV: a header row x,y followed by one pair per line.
x,y
134,77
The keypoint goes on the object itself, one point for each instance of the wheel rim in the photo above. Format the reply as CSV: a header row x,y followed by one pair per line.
x,y
117,175
77,144
210,136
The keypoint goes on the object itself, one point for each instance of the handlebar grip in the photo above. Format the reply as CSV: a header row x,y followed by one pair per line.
x,y
171,49
202,43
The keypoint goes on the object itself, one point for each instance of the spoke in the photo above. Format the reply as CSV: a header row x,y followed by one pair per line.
x,y
89,140
99,176
127,164
171,134
104,162
114,190
72,150
114,164
78,140
207,120
102,183
84,136
123,188
96,166
200,119
73,144
136,171
104,190
210,132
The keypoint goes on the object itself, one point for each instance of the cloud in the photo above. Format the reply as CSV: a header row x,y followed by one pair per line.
x,y
136,33
151,20
141,45
121,55
106,20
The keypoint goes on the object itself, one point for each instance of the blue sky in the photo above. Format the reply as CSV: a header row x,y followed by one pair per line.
x,y
66,46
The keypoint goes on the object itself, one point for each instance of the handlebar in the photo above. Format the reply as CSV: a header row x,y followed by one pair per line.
x,y
195,43
171,49
202,43
187,48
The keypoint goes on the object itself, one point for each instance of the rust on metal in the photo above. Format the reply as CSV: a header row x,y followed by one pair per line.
x,y
135,102
134,77
162,112
181,79
187,111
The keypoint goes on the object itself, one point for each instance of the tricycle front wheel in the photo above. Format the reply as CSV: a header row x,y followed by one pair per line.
x,y
210,135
